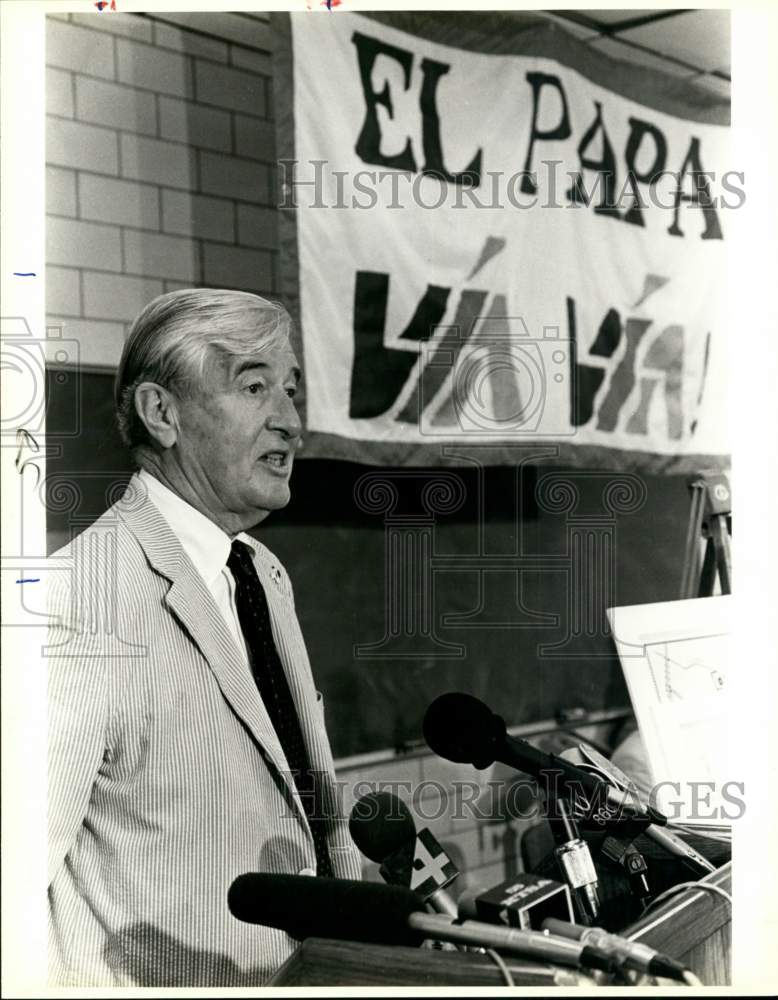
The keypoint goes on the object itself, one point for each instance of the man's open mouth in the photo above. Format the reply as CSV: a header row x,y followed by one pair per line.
x,y
277,459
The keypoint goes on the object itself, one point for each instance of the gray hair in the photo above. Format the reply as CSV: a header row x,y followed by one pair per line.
x,y
174,336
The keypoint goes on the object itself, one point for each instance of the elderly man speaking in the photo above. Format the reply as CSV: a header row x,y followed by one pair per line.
x,y
187,740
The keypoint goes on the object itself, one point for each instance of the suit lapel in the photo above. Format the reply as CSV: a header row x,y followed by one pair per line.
x,y
294,657
193,605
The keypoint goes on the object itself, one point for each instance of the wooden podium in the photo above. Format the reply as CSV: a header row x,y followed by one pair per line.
x,y
693,927
321,962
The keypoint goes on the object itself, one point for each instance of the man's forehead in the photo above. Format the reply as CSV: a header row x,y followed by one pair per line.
x,y
280,357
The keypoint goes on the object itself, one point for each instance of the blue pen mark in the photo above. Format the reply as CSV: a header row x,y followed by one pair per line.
x,y
35,579
24,274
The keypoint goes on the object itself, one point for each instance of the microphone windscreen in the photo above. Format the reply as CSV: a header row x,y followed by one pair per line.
x,y
343,909
461,728
380,824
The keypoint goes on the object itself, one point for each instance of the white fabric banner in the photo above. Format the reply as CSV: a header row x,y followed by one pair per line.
x,y
454,286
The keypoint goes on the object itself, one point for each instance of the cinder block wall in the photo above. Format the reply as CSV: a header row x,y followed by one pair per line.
x,y
465,809
479,817
160,144
160,150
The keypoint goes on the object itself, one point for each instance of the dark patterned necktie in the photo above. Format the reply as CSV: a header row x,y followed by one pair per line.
x,y
268,671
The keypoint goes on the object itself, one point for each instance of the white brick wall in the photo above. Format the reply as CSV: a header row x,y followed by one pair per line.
x,y
170,37
158,161
59,92
258,227
60,191
100,344
198,215
124,25
62,290
160,153
486,851
248,180
114,105
76,48
245,32
122,202
83,244
257,62
180,119
147,66
234,89
479,817
165,256
255,138
83,147
235,266
117,296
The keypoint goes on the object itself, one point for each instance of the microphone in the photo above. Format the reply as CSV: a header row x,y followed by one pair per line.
x,y
524,901
343,909
587,757
383,828
631,954
372,913
575,860
463,729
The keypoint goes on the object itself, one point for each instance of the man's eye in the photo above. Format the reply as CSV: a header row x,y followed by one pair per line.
x,y
255,387
291,391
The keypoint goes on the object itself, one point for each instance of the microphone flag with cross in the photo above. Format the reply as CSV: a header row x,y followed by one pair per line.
x,y
421,864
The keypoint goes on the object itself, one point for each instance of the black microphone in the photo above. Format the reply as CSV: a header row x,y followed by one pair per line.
x,y
460,728
383,828
613,775
343,909
380,823
372,913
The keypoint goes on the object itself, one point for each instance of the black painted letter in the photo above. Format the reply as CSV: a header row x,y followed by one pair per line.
x,y
433,154
368,147
560,131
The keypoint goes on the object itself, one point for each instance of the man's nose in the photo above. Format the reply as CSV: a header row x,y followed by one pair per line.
x,y
284,416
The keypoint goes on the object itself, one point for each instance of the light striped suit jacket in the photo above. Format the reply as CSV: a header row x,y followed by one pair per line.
x,y
167,780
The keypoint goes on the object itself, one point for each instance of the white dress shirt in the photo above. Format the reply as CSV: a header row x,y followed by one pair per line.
x,y
206,545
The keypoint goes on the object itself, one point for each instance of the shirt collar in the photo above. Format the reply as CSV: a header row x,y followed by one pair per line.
x,y
203,541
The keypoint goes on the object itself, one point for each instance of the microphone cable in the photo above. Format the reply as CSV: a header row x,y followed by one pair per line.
x,y
501,965
688,976
683,886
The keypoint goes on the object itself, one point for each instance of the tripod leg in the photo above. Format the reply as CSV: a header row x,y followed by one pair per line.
x,y
691,562
719,536
708,574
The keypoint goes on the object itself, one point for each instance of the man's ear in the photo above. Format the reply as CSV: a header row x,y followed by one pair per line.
x,y
157,409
